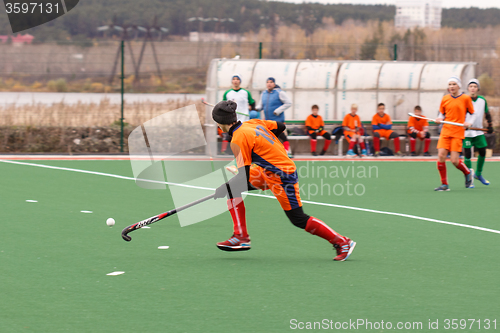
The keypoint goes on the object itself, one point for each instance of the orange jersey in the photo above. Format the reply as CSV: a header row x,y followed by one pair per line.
x,y
314,122
417,124
455,109
351,121
253,142
385,120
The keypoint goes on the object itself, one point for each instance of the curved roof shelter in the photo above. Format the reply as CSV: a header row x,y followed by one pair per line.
x,y
335,85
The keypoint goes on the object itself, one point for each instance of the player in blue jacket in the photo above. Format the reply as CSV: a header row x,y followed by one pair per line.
x,y
274,102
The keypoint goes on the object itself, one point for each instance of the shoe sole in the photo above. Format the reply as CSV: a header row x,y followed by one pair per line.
x,y
233,248
352,246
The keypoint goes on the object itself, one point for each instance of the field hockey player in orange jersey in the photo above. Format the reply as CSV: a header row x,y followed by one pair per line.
x,y
454,107
256,142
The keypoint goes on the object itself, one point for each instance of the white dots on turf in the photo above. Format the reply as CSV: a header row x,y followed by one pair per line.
x,y
86,211
116,273
31,201
163,247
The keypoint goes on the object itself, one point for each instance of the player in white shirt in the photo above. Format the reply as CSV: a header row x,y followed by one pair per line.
x,y
244,101
477,139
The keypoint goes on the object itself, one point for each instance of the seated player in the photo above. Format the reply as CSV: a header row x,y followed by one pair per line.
x,y
353,131
316,126
256,141
419,128
381,125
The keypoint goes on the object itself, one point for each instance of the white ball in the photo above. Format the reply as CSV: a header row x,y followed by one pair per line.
x,y
110,221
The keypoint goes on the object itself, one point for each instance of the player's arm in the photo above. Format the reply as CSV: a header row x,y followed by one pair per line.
x,y
321,125
287,103
488,117
411,125
345,125
233,186
375,125
309,124
240,182
387,126
277,127
470,110
280,128
258,107
441,113
251,101
224,97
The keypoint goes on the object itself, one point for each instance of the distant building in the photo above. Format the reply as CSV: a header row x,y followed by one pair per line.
x,y
418,13
195,36
22,39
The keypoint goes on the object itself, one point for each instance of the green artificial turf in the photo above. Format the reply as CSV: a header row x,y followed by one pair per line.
x,y
54,259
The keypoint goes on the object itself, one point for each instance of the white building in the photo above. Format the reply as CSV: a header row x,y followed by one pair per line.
x,y
418,13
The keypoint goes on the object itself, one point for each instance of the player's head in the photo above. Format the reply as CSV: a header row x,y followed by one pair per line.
x,y
315,109
270,83
473,87
236,81
454,85
224,114
381,109
417,110
354,109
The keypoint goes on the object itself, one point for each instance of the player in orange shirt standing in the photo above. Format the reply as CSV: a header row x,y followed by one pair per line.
x,y
454,107
419,128
256,142
316,126
353,131
381,125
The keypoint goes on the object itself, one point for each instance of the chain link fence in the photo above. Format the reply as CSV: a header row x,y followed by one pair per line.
x,y
69,84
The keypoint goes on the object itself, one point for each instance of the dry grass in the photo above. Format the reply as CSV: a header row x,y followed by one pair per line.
x,y
85,115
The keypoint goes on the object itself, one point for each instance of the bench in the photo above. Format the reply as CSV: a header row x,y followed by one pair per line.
x,y
300,143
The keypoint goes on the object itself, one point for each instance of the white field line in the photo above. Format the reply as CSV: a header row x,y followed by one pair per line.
x,y
257,195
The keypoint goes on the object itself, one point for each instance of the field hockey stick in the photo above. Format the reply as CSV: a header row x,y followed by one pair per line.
x,y
159,217
206,103
449,123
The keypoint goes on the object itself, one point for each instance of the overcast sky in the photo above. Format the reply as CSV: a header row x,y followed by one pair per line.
x,y
446,3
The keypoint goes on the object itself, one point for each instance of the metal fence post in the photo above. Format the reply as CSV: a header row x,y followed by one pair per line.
x,y
260,50
395,52
122,79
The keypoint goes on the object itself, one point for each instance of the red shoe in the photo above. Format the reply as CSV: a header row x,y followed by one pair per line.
x,y
235,244
344,249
